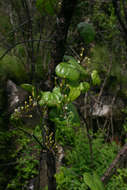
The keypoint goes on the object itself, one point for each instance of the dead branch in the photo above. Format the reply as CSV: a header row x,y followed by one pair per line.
x,y
121,156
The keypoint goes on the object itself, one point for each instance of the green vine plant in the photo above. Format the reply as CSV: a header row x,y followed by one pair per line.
x,y
71,81
60,101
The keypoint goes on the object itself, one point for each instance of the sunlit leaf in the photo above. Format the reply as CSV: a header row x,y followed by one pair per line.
x,y
51,98
74,93
76,65
95,78
67,71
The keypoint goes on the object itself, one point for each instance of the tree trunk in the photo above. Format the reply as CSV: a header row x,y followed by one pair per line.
x,y
51,170
60,36
61,30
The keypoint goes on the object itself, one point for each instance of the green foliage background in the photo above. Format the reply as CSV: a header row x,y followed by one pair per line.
x,y
95,50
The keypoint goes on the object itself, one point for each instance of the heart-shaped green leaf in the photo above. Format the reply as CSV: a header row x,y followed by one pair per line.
x,y
51,98
76,65
67,71
74,93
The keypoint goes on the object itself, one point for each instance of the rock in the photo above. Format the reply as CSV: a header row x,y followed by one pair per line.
x,y
16,96
101,110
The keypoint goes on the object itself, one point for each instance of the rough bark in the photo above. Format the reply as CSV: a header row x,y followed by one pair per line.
x,y
60,36
51,170
61,30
